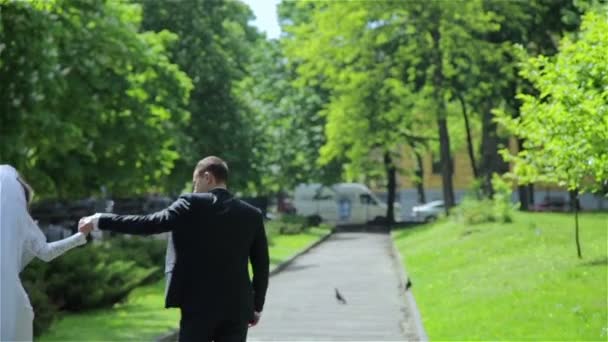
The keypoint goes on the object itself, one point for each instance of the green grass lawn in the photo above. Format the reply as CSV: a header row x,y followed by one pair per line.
x,y
285,246
517,281
142,316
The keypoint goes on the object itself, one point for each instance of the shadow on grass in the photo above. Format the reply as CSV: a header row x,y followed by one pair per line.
x,y
596,262
469,232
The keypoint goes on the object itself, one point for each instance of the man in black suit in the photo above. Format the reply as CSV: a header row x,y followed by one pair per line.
x,y
215,236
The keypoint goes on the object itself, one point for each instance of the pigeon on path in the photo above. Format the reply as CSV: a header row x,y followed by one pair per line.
x,y
339,297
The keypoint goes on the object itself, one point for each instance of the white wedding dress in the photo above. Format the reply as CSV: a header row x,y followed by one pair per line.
x,y
21,240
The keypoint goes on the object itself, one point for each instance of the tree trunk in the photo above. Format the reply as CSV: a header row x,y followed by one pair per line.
x,y
575,207
489,150
444,137
281,201
420,178
446,165
524,191
524,200
391,175
467,127
531,194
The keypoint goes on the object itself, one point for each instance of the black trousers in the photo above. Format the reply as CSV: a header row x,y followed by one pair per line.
x,y
196,327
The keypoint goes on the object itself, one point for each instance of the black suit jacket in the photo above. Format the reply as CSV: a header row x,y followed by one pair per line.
x,y
215,237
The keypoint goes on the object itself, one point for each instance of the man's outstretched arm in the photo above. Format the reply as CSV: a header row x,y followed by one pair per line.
x,y
158,222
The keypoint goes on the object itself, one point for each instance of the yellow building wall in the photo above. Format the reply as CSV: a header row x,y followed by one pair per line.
x,y
463,173
462,177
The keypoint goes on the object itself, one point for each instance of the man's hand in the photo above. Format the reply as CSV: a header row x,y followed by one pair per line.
x,y
256,319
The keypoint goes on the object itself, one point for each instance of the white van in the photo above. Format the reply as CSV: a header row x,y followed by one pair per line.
x,y
343,203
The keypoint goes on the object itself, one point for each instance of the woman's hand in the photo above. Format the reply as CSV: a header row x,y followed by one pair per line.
x,y
84,226
88,223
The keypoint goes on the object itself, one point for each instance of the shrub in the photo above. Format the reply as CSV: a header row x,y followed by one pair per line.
x,y
503,206
472,211
144,251
497,209
45,311
295,220
93,276
288,225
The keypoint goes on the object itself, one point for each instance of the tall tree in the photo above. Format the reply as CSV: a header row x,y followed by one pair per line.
x,y
565,126
443,41
288,124
86,100
363,112
379,63
214,48
536,25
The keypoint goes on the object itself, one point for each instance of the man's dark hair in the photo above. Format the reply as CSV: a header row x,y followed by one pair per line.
x,y
215,166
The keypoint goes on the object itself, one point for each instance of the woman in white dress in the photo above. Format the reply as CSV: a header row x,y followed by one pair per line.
x,y
21,240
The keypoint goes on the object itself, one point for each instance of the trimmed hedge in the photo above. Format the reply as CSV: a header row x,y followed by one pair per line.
x,y
93,276
288,224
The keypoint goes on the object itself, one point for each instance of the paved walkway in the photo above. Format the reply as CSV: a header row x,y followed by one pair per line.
x,y
302,305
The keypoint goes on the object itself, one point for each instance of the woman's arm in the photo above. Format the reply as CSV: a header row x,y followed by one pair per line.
x,y
37,245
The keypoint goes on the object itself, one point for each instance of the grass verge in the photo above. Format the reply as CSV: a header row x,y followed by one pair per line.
x,y
517,281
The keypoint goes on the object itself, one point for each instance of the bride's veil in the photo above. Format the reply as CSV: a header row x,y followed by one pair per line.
x,y
15,225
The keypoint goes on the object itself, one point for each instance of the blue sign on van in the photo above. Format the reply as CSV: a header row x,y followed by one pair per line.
x,y
344,208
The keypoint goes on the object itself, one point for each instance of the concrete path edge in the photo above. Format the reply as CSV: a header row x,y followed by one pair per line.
x,y
409,297
171,336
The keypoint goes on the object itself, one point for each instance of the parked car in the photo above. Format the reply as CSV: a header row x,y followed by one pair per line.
x,y
343,203
553,204
428,212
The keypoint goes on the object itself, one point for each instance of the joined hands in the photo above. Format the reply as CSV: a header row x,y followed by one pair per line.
x,y
86,224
